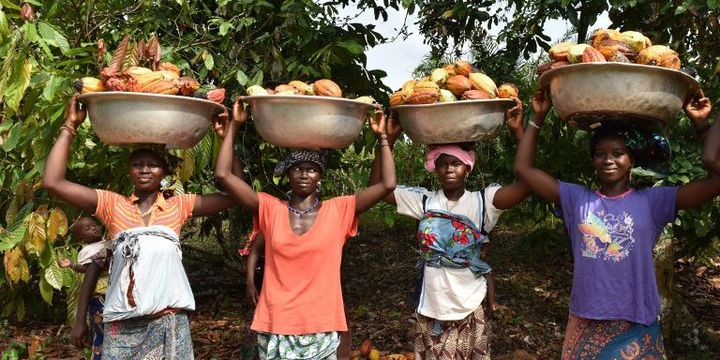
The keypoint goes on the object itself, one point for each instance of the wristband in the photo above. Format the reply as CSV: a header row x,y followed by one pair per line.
x,y
533,124
69,129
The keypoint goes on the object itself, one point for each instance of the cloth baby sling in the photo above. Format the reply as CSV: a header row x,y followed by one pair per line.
x,y
449,240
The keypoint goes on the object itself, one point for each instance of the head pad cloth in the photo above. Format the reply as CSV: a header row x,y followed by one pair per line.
x,y
647,148
434,152
299,156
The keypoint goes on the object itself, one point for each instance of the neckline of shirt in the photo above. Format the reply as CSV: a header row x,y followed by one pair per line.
x,y
616,197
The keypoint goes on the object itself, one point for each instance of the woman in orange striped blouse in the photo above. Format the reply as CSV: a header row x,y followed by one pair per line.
x,y
148,293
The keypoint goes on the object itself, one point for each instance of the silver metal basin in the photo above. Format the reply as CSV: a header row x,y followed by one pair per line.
x,y
451,122
309,122
584,94
126,118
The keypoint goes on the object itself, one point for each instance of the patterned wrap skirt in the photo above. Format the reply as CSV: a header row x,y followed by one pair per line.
x,y
588,339
166,337
320,346
466,339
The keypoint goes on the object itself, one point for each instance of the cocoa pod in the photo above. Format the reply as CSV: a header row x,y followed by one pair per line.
x,y
635,40
591,54
458,84
477,95
619,57
396,357
508,90
450,68
609,47
408,86
285,89
398,98
374,354
439,76
423,97
483,82
425,85
256,90
559,52
365,347
576,52
543,68
447,96
410,355
604,34
326,87
462,67
659,55
167,66
299,86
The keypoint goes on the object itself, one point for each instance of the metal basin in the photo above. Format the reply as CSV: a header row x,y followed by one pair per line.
x,y
585,94
126,118
451,122
310,122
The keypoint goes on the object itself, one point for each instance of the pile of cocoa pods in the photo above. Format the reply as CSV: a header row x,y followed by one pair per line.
x,y
452,82
322,87
136,67
610,45
368,351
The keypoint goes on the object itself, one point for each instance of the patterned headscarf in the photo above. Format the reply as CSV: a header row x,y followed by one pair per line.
x,y
300,156
647,148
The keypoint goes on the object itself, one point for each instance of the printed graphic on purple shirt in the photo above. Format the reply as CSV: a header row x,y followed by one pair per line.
x,y
612,242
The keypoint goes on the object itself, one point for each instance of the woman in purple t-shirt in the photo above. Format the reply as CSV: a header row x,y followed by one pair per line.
x,y
614,303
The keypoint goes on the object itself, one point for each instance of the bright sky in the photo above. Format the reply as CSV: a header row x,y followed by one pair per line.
x,y
402,56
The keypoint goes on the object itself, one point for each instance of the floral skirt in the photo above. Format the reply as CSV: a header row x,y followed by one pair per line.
x,y
320,346
466,339
95,311
612,339
166,337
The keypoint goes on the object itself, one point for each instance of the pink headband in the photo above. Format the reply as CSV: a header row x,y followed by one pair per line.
x,y
466,157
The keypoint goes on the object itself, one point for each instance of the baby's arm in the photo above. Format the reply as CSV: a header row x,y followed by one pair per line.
x,y
66,263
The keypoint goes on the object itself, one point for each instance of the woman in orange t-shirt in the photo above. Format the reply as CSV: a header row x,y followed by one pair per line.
x,y
300,307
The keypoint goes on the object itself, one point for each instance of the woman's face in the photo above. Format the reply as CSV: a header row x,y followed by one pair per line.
x,y
451,171
304,178
611,160
146,172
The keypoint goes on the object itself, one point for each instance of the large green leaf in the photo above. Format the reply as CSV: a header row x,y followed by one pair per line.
x,y
54,275
9,240
18,82
46,291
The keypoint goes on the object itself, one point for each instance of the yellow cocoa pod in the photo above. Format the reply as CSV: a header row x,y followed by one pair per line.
x,y
604,34
256,90
408,86
439,76
575,53
636,40
422,85
559,52
300,86
366,99
398,98
285,89
483,82
659,55
88,85
507,91
396,357
374,354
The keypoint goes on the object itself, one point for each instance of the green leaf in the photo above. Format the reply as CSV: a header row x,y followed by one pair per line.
x,y
10,240
257,79
13,137
30,31
54,275
18,83
51,88
224,27
46,291
352,47
242,78
208,60
9,4
53,37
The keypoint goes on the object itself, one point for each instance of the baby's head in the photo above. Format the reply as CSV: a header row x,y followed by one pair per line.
x,y
87,230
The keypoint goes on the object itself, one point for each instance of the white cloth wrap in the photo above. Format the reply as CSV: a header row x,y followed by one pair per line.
x,y
155,257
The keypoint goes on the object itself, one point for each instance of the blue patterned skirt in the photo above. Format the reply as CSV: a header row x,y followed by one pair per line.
x,y
587,339
166,337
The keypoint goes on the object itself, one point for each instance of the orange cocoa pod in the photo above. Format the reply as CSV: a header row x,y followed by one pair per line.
x,y
604,34
398,98
592,54
408,86
462,68
326,87
161,87
410,355
425,85
299,86
608,47
508,90
458,84
618,57
450,68
167,66
366,347
423,97
476,95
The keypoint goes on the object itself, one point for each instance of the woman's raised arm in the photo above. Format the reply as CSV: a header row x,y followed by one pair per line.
x,y
233,184
369,196
79,196
538,180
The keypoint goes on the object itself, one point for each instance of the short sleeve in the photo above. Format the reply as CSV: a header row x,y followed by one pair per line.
x,y
662,202
259,220
409,200
105,203
569,194
348,221
187,203
492,214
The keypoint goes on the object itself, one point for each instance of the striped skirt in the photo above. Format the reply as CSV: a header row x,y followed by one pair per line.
x,y
612,339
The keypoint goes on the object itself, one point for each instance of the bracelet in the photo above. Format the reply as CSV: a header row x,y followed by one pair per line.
x,y
382,136
69,129
703,129
533,124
